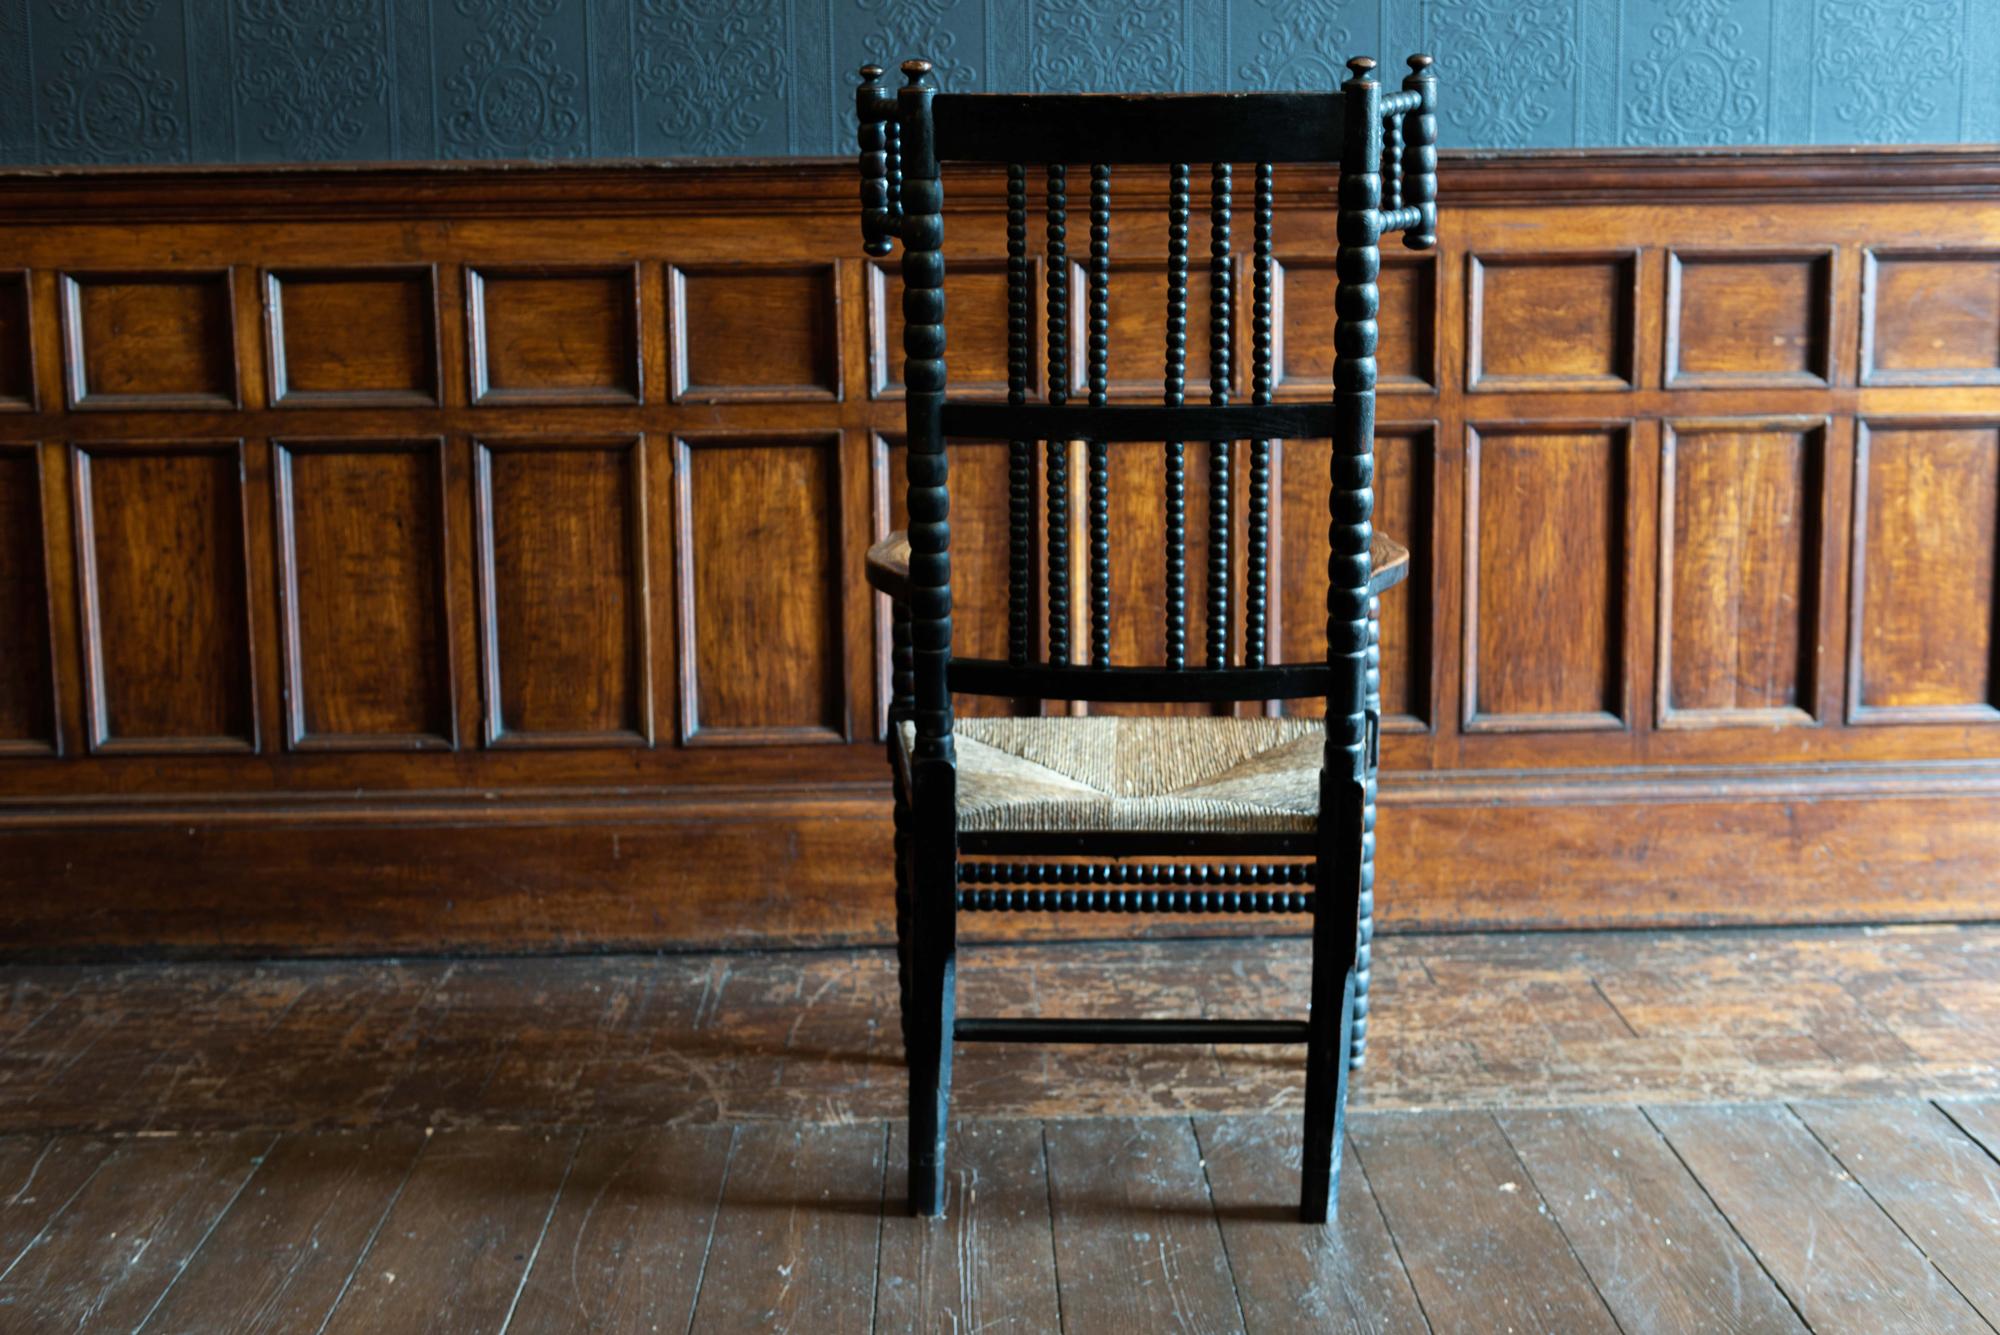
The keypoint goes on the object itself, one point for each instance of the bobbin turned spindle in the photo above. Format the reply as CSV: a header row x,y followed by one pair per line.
x,y
875,108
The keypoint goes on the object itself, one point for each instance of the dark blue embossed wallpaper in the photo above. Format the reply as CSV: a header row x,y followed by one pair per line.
x,y
131,81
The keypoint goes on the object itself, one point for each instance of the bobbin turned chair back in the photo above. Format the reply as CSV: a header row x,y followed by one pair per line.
x,y
1385,187
1384,144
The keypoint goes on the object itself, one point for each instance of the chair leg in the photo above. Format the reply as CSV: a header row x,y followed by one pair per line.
x,y
1345,871
928,1019
1327,1080
904,944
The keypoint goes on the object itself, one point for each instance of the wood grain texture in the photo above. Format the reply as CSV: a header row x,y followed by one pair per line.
x,y
1660,1254
563,565
1925,1173
151,338
778,496
27,682
122,1240
1547,819
795,1246
1545,554
1481,1248
1552,321
1749,318
1740,573
39,1176
284,1253
1343,1277
367,633
463,1232
361,336
17,348
1930,316
626,1245
1926,543
1841,1261
553,335
990,1262
1137,1248
727,347
975,291
160,543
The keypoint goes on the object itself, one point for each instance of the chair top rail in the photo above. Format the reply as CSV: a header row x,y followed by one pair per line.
x,y
1137,127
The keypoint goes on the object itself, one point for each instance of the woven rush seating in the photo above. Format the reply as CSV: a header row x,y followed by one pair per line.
x,y
1215,775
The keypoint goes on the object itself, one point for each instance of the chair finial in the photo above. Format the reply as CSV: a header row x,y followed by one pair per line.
x,y
1362,66
1419,63
915,70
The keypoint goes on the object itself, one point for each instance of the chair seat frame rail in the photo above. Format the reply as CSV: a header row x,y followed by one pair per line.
x,y
1385,145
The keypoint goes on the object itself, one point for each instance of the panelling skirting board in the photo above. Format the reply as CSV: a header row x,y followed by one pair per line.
x,y
470,559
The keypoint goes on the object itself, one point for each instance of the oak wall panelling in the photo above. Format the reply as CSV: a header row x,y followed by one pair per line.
x,y
482,563
162,573
27,668
563,568
554,334
365,594
364,337
17,348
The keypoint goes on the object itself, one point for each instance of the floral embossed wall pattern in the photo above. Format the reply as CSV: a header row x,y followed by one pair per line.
x,y
1882,61
1305,49
312,76
108,100
511,95
900,29
1696,83
712,75
1133,45
1514,64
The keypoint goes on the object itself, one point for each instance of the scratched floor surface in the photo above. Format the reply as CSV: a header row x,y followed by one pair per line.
x,y
1736,1131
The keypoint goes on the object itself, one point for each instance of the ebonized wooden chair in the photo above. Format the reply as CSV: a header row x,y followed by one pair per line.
x,y
1138,814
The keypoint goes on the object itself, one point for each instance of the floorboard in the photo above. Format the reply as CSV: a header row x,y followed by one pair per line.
x,y
625,1248
1936,1182
1841,1261
462,1234
1137,1244
797,1242
1480,1246
107,1258
990,1264
281,1256
38,1177
1661,1255
1345,1277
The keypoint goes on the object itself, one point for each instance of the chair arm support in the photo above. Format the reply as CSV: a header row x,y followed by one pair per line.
x,y
889,565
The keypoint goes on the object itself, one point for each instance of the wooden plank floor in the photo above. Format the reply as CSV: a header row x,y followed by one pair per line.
x,y
1742,1131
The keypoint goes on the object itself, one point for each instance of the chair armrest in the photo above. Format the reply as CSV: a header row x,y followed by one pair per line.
x,y
889,565
1388,563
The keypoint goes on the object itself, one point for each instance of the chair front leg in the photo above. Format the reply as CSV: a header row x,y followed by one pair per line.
x,y
1329,1042
933,1006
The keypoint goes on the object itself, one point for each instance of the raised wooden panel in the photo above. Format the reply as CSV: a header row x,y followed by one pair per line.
x,y
979,542
564,621
1405,473
1926,538
1749,318
1552,321
975,295
1138,348
761,569
361,582
1406,356
27,670
149,340
165,610
755,332
364,337
553,335
17,344
1930,317
1545,569
1740,543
